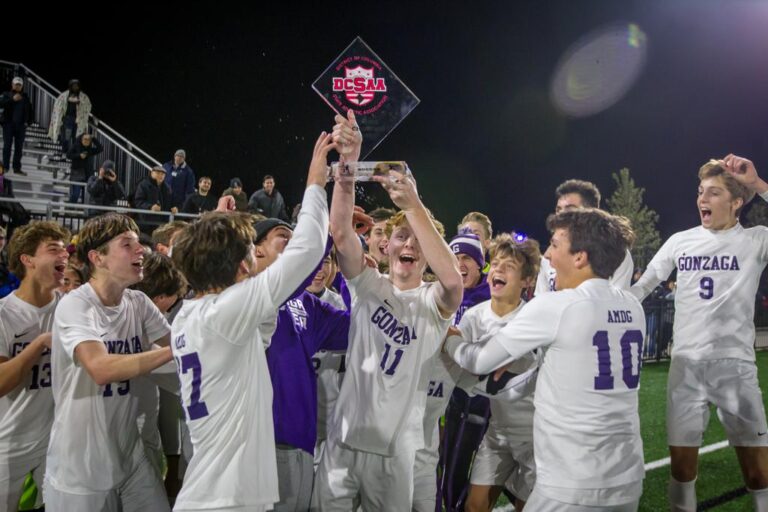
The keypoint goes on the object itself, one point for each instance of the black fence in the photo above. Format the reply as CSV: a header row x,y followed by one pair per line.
x,y
660,316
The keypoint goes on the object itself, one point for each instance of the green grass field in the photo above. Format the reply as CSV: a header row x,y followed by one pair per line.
x,y
719,471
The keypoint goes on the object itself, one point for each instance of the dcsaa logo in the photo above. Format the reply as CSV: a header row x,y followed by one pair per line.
x,y
359,85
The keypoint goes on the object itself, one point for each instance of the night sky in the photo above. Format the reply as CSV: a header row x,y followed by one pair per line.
x,y
232,87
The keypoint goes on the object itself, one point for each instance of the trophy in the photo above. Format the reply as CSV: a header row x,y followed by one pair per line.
x,y
359,80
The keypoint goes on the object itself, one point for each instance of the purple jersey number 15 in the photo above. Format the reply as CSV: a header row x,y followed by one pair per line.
x,y
630,376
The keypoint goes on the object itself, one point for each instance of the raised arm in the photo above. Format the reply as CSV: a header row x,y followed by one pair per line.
x,y
348,247
402,190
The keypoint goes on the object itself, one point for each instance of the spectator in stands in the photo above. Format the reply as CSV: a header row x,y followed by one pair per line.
x,y
268,201
6,185
81,153
236,190
8,281
70,115
153,194
12,213
201,201
180,178
16,115
104,189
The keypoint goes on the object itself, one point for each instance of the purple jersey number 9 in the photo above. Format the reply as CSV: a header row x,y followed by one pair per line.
x,y
630,376
707,288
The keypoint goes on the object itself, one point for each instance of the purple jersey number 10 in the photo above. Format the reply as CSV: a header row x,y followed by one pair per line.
x,y
631,378
196,409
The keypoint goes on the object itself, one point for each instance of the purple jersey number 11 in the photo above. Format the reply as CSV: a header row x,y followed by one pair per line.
x,y
631,378
196,409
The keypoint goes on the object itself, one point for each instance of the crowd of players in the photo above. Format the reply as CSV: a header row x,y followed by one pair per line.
x,y
307,389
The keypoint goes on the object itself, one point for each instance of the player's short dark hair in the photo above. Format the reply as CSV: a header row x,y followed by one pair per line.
x,y
588,191
267,177
527,252
604,237
160,277
96,234
381,214
208,253
164,233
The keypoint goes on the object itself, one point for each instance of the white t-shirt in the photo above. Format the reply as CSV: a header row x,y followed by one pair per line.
x,y
586,425
393,336
622,278
95,443
218,344
26,413
509,421
718,273
329,367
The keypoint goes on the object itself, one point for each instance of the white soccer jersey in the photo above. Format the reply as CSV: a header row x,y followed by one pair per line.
x,y
329,367
717,277
393,334
622,278
95,443
226,392
586,426
509,421
26,413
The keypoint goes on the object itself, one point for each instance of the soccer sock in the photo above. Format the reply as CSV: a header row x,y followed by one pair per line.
x,y
760,498
682,495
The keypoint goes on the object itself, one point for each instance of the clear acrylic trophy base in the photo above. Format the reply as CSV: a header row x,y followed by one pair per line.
x,y
362,172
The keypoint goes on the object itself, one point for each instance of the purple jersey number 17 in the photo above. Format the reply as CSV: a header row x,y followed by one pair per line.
x,y
196,409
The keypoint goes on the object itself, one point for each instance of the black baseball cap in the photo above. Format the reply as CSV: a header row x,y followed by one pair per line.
x,y
265,226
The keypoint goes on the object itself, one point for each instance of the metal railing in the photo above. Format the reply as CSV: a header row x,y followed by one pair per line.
x,y
132,163
73,215
659,320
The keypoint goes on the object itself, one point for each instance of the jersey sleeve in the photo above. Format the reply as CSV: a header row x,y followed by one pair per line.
x,y
243,307
535,326
542,281
73,324
622,278
658,270
6,336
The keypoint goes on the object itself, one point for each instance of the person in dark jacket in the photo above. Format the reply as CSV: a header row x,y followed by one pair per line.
x,y
81,153
180,177
268,201
202,200
104,189
17,114
236,190
153,194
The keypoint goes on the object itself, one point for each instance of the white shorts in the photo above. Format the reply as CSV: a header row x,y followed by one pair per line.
x,y
141,492
541,503
383,483
12,477
425,481
624,498
729,384
505,463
